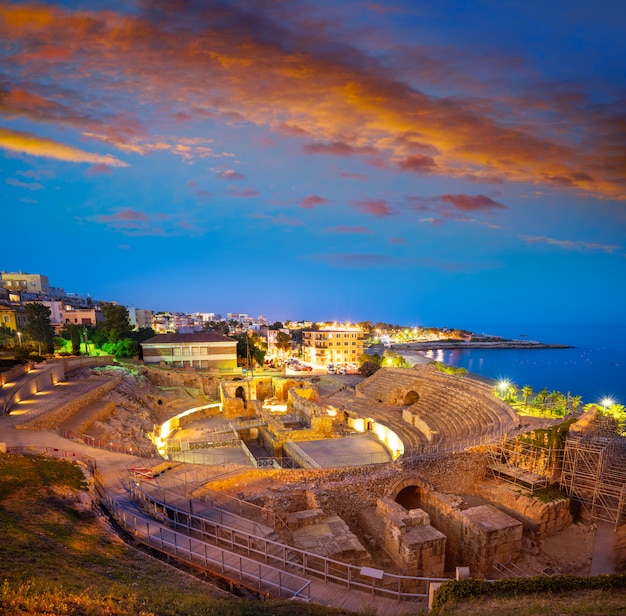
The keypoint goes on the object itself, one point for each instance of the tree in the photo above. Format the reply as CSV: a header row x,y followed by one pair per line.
x,y
38,325
8,337
575,402
393,360
142,334
542,396
527,391
248,353
116,323
367,368
276,325
283,341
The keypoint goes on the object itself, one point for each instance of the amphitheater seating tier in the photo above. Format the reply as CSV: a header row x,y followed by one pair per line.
x,y
455,409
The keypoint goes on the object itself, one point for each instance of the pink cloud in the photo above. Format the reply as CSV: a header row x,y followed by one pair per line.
x,y
472,203
347,229
230,174
312,201
374,207
99,168
281,220
202,194
244,192
338,148
419,163
123,217
352,176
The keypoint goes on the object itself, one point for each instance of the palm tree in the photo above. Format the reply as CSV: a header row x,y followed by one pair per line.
x,y
575,402
527,391
542,396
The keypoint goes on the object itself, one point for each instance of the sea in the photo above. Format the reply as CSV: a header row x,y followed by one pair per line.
x,y
593,368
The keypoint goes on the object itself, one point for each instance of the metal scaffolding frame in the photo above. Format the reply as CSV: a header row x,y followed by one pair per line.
x,y
594,472
520,462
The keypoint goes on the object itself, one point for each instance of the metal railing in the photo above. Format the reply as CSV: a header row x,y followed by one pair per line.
x,y
55,452
285,557
258,576
109,445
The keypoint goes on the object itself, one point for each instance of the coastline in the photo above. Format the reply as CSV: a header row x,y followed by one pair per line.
x,y
464,344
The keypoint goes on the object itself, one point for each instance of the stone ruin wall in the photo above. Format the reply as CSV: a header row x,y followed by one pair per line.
x,y
476,536
208,384
541,519
416,548
59,415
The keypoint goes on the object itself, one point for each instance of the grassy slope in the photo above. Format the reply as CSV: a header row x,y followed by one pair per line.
x,y
57,557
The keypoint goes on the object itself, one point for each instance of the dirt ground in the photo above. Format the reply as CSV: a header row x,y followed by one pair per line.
x,y
140,407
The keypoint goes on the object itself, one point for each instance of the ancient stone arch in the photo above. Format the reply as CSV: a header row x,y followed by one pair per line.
x,y
240,393
408,491
411,397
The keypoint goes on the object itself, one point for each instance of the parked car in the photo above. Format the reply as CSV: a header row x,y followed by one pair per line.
x,y
330,368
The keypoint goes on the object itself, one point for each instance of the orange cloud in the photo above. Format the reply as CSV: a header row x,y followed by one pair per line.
x,y
191,59
27,143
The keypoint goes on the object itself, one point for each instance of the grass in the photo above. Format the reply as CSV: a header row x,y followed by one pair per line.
x,y
57,556
588,603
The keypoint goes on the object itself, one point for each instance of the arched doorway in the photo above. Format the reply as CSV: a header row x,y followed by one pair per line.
x,y
239,393
409,497
411,397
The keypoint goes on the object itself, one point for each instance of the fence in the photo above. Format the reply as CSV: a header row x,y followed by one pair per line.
x,y
253,574
55,452
107,445
285,557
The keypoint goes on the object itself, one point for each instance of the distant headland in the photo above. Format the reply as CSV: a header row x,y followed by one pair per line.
x,y
477,342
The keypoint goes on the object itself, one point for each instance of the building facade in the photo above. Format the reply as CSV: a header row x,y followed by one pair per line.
x,y
336,346
202,351
25,283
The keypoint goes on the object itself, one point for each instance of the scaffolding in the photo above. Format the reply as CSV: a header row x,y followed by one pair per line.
x,y
523,463
594,472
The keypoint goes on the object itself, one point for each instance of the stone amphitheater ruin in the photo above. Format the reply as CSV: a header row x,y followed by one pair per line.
x,y
411,471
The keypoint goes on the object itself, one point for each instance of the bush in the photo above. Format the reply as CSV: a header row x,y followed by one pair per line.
x,y
452,591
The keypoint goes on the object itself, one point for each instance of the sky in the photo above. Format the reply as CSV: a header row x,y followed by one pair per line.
x,y
445,164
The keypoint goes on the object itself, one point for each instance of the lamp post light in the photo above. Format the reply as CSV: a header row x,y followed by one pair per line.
x,y
606,402
503,387
19,337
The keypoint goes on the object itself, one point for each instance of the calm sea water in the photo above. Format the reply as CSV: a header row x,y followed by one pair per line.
x,y
594,368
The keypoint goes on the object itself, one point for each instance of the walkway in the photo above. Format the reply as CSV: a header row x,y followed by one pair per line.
x,y
113,468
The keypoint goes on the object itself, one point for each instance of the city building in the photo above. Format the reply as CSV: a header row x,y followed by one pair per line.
x,y
81,316
341,345
139,318
25,283
12,317
201,350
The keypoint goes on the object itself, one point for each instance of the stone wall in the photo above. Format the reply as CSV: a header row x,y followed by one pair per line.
x,y
54,418
416,548
160,377
476,536
541,519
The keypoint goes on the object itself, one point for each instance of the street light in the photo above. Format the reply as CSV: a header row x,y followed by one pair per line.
x,y
606,402
19,337
503,387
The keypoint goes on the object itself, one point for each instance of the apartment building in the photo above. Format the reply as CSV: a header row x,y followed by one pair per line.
x,y
201,350
25,283
332,346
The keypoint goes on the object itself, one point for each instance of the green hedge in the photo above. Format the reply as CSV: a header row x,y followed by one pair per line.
x,y
452,590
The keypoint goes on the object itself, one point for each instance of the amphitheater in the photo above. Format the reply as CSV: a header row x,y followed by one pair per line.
x,y
368,493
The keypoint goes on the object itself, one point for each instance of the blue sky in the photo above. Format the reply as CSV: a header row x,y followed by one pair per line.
x,y
439,164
